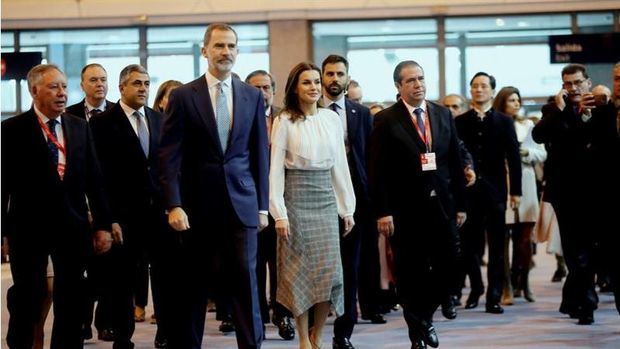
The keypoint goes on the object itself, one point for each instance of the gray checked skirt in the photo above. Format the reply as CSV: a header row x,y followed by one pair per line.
x,y
309,266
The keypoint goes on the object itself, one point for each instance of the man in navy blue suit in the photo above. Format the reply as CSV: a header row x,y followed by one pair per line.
x,y
214,175
357,125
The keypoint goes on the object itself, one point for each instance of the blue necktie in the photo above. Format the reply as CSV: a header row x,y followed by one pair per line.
x,y
51,125
334,107
223,117
143,133
420,120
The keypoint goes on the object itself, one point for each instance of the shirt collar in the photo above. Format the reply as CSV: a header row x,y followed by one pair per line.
x,y
212,80
484,112
339,102
129,110
410,108
90,108
41,116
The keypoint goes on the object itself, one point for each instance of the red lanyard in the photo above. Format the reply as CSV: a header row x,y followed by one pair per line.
x,y
60,167
426,137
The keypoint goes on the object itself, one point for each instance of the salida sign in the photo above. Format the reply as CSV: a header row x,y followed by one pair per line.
x,y
585,48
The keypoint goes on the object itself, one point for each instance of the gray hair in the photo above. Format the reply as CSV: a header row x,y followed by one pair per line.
x,y
128,70
36,73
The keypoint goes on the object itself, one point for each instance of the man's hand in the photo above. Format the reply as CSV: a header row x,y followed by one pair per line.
x,y
178,219
587,103
102,241
349,223
470,176
282,229
461,217
263,221
385,225
515,201
559,99
117,233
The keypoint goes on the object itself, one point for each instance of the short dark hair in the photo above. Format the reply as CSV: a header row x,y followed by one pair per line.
x,y
574,68
291,99
164,89
263,73
124,75
217,26
402,66
88,66
333,59
481,73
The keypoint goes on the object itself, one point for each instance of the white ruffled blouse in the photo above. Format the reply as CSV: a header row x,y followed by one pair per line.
x,y
311,144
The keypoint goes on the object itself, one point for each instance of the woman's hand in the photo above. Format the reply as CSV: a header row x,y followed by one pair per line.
x,y
349,223
282,229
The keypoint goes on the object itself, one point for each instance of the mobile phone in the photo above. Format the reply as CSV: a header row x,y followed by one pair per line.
x,y
600,100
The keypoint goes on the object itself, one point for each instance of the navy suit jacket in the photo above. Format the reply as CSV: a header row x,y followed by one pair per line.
x,y
77,109
132,179
359,127
398,185
34,198
196,174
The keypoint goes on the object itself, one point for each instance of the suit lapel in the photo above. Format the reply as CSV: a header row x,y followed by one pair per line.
x,y
405,120
154,127
433,122
202,104
353,120
240,120
68,130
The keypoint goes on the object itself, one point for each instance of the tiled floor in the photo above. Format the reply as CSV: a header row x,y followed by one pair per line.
x,y
523,325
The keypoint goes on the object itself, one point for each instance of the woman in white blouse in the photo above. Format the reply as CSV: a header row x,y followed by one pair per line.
x,y
309,186
521,221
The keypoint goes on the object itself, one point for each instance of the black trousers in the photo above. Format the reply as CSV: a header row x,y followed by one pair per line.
x,y
484,215
350,255
425,253
29,253
266,260
369,286
98,282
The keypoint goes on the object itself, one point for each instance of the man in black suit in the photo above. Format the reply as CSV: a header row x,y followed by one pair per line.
x,y
215,163
491,139
417,188
49,169
267,242
94,83
127,142
580,173
357,125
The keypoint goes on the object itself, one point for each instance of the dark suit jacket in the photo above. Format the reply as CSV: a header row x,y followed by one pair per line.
x,y
132,179
34,198
499,146
581,157
195,174
399,187
77,109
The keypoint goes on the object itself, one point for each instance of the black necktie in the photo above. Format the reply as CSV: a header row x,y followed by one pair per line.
x,y
51,125
334,107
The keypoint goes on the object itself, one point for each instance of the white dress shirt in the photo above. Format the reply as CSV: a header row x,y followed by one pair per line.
x,y
214,91
132,118
62,160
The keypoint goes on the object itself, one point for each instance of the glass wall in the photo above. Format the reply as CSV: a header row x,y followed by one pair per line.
x,y
373,49
171,53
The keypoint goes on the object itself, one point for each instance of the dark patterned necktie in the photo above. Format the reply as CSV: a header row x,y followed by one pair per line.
x,y
51,125
420,120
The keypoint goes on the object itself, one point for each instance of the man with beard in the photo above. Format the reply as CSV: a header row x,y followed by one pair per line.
x,y
357,125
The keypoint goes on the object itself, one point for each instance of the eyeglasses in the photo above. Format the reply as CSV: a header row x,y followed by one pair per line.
x,y
573,83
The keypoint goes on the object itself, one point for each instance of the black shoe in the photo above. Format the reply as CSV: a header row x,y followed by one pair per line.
x,y
586,319
418,344
286,330
558,275
87,332
342,343
472,301
160,344
494,308
448,309
227,326
457,300
106,335
430,335
375,318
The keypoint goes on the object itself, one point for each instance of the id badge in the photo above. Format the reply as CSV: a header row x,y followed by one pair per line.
x,y
428,161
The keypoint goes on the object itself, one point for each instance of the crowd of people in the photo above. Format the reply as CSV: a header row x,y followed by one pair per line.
x,y
215,187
